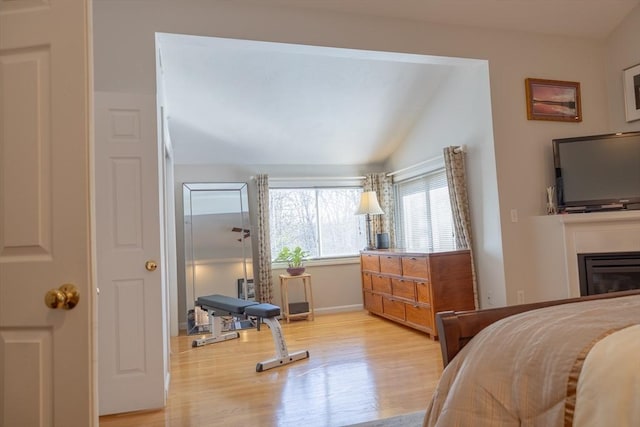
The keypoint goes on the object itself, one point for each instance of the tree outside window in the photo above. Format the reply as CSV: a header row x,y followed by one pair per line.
x,y
321,221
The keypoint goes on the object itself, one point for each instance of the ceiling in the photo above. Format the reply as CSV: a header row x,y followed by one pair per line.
x,y
581,18
242,102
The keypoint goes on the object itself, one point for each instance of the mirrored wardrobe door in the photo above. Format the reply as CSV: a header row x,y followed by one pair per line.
x,y
218,254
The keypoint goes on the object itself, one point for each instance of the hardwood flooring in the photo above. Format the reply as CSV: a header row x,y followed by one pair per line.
x,y
361,367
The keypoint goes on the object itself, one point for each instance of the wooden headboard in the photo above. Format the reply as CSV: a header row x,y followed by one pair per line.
x,y
456,328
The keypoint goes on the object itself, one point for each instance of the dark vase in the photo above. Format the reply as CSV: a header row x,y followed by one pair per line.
x,y
295,271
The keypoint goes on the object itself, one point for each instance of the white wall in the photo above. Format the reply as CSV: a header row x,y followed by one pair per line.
x,y
460,114
622,53
335,287
171,279
124,61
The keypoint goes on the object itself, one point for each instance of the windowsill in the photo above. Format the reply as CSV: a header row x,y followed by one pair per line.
x,y
321,262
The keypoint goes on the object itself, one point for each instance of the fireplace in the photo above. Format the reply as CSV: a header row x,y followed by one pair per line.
x,y
600,273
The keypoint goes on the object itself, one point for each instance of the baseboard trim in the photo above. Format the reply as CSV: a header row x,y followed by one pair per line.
x,y
167,382
339,309
320,311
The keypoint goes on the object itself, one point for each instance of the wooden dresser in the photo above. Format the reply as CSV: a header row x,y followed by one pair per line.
x,y
410,288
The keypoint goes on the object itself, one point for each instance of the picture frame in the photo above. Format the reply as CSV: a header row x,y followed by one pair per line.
x,y
251,290
631,84
554,100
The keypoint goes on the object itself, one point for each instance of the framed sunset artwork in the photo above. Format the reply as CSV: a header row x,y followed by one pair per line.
x,y
553,100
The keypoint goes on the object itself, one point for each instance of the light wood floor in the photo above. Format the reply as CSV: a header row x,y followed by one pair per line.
x,y
361,368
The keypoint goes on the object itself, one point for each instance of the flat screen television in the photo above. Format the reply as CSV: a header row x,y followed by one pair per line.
x,y
600,172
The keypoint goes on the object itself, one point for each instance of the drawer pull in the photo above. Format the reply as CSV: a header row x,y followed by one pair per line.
x,y
414,259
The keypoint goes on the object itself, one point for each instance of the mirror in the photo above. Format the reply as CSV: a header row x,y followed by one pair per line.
x,y
218,254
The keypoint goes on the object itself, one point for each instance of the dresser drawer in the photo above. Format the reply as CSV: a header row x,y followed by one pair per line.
x,y
366,280
381,283
370,262
415,267
410,287
390,264
372,302
423,292
393,308
403,288
420,316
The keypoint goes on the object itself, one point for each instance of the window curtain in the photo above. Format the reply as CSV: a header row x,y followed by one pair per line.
x,y
383,186
264,290
457,182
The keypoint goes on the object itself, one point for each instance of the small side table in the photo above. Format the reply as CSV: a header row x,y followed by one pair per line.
x,y
284,294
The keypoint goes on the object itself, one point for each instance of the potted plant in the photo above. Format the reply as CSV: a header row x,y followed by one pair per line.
x,y
294,258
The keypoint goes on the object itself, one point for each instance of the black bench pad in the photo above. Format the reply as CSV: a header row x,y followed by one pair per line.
x,y
262,310
225,303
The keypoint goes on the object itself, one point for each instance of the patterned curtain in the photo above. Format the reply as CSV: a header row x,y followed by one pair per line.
x,y
457,182
264,289
383,186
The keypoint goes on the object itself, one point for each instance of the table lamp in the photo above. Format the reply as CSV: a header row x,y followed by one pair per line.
x,y
369,206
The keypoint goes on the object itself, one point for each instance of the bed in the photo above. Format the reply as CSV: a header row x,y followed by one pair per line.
x,y
557,363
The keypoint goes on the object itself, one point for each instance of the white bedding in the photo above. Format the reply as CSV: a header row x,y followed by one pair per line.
x,y
608,391
567,365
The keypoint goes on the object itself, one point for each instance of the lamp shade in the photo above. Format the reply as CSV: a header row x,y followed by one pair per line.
x,y
369,204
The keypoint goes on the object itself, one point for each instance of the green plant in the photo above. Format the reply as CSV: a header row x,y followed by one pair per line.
x,y
294,258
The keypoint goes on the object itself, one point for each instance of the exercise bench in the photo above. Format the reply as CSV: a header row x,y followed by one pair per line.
x,y
220,305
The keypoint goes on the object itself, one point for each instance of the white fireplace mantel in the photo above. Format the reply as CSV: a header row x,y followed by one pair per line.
x,y
558,239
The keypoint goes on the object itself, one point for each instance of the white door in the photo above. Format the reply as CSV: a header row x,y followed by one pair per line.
x,y
45,354
132,339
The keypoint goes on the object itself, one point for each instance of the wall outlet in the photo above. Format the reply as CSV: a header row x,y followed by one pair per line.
x,y
490,298
520,297
514,215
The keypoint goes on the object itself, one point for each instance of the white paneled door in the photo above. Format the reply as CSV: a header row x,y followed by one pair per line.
x,y
45,353
132,349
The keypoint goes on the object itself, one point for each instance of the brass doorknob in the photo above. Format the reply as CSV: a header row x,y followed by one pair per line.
x,y
151,265
65,297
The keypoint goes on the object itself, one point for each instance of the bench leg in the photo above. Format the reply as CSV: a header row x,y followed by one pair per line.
x,y
215,324
283,357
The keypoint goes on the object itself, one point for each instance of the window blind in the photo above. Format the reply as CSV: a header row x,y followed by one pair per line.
x,y
423,209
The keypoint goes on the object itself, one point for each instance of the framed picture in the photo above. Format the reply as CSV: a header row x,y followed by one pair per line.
x,y
553,100
631,82
251,290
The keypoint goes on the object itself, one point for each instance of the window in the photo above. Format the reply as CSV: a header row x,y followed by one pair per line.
x,y
321,221
424,219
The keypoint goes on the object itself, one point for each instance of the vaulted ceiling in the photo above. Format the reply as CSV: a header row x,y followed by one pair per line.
x,y
244,102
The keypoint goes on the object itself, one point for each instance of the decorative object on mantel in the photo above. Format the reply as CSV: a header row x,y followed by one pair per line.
x,y
369,206
631,83
294,258
551,201
553,100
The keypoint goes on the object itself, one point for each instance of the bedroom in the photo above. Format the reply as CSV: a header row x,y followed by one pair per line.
x,y
521,147
509,172
520,153
397,85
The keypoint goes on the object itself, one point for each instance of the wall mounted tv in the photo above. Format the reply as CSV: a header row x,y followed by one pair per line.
x,y
600,172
